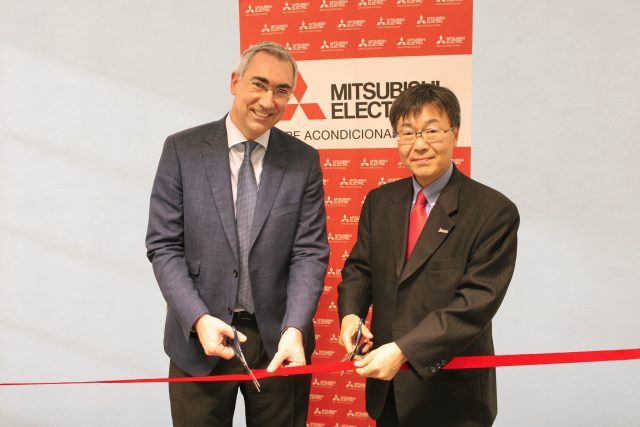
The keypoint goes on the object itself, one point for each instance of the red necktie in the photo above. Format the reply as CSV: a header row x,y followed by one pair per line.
x,y
417,220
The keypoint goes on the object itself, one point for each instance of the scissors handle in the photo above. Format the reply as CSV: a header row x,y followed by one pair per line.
x,y
357,350
235,343
358,335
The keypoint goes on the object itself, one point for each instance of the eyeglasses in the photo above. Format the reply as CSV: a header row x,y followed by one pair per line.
x,y
408,137
279,93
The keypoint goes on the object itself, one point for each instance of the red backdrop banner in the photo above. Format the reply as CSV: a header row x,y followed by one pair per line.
x,y
354,58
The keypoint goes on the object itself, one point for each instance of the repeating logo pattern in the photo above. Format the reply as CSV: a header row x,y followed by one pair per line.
x,y
337,30
326,29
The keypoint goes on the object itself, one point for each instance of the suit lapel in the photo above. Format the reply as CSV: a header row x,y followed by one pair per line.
x,y
398,223
216,159
273,169
438,227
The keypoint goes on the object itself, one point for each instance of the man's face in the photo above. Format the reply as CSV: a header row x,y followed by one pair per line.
x,y
427,160
260,94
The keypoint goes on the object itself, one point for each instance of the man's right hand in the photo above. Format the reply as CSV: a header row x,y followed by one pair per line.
x,y
349,330
212,333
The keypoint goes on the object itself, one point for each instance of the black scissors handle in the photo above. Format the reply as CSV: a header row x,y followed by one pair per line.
x,y
357,350
235,344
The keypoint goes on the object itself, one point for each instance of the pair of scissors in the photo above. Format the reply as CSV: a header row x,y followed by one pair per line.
x,y
357,350
235,346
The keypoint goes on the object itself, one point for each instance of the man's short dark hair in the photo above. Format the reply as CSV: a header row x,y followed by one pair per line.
x,y
413,100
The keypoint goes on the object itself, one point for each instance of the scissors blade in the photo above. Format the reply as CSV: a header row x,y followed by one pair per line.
x,y
250,372
255,380
237,350
348,358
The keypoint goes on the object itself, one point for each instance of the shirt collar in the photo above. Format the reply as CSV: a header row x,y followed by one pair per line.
x,y
235,137
433,190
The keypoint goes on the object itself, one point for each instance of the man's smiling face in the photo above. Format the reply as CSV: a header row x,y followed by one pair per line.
x,y
256,110
427,161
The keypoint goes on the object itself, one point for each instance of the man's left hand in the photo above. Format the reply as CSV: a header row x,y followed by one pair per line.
x,y
382,363
290,350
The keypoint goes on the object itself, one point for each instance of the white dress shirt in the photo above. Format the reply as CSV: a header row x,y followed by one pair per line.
x,y
235,140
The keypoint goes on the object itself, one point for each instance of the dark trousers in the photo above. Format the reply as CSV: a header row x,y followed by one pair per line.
x,y
389,416
427,418
282,401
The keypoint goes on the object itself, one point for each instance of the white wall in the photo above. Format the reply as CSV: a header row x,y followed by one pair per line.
x,y
89,90
555,104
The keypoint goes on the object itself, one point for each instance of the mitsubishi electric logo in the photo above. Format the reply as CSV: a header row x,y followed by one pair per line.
x,y
258,10
311,110
339,100
333,4
295,7
332,110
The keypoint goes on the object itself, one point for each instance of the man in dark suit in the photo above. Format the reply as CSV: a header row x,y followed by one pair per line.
x,y
237,237
434,256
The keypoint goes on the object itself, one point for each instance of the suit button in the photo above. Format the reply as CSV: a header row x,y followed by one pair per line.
x,y
235,274
229,310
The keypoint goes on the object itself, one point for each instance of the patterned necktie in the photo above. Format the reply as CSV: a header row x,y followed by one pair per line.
x,y
417,220
245,206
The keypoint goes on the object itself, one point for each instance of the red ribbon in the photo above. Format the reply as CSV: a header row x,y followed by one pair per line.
x,y
461,362
469,362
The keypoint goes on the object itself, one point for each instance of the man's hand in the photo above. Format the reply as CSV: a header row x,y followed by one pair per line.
x,y
383,363
290,350
212,332
349,330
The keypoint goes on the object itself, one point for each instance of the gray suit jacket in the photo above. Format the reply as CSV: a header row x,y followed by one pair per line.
x,y
192,241
437,305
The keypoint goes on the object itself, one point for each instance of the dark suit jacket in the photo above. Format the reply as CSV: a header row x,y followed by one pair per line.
x,y
437,305
192,241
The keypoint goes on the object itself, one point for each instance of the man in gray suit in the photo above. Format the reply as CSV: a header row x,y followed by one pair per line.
x,y
237,237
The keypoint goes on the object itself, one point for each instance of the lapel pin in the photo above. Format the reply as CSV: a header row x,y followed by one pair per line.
x,y
443,231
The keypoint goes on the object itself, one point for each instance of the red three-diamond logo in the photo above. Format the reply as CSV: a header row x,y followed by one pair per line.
x,y
312,111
